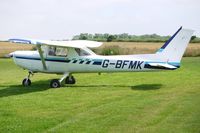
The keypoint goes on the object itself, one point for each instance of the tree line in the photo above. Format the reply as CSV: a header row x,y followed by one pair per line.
x,y
125,37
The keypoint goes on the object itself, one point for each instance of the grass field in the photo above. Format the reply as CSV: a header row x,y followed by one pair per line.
x,y
167,101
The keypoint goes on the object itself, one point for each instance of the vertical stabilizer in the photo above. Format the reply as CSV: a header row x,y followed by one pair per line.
x,y
174,48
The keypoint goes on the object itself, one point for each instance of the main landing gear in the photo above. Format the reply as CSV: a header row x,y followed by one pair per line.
x,y
55,83
69,79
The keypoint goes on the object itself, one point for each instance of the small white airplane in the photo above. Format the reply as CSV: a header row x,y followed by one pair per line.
x,y
68,57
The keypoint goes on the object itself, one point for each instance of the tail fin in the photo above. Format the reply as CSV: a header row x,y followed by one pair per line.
x,y
174,48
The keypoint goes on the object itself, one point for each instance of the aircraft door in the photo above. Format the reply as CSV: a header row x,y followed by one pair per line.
x,y
55,56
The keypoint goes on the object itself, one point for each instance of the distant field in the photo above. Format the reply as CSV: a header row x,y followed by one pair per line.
x,y
6,48
143,102
123,48
143,48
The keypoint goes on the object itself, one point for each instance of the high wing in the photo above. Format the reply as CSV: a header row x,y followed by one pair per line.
x,y
161,66
73,43
39,43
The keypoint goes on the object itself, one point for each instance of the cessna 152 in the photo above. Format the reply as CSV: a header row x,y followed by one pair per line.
x,y
68,57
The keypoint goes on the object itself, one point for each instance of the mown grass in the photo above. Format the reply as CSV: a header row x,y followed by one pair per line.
x,y
166,101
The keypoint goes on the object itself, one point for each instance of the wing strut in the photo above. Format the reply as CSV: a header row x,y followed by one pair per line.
x,y
41,56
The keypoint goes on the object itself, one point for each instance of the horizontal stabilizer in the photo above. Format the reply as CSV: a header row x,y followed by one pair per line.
x,y
160,66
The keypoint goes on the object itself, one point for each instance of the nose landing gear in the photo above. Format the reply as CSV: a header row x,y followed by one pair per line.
x,y
27,81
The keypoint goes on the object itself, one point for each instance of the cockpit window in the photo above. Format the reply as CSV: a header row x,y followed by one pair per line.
x,y
58,51
52,51
81,52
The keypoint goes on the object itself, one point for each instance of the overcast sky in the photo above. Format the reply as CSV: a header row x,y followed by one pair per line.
x,y
62,19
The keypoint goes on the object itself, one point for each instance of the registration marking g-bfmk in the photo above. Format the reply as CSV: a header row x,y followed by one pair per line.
x,y
121,64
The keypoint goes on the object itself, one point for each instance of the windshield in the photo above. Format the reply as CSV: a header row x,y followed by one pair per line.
x,y
81,52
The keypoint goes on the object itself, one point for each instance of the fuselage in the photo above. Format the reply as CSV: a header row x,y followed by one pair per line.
x,y
53,59
31,61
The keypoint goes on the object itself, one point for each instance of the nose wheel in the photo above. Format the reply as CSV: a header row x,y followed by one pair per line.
x,y
27,81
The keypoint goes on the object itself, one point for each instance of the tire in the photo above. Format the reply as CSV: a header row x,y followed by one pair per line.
x,y
26,82
70,80
55,83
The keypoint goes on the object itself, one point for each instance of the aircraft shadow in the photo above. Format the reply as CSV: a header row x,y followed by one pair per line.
x,y
43,85
20,90
146,87
141,87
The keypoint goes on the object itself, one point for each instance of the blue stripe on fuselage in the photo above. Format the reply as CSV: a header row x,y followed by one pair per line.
x,y
47,59
96,61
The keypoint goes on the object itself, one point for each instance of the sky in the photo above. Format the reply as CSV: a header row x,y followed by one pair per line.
x,y
62,19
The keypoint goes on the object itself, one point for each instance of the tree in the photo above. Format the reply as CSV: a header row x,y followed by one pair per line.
x,y
83,36
193,37
110,38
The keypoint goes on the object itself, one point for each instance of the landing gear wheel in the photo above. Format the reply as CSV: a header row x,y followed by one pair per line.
x,y
55,83
70,80
26,82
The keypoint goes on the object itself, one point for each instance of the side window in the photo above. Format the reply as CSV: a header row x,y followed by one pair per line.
x,y
61,51
52,51
81,52
58,51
